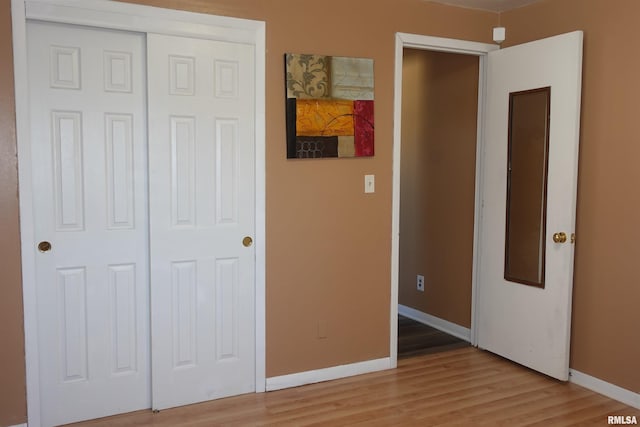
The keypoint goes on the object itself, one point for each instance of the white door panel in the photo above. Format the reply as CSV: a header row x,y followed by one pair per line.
x,y
87,106
527,324
201,137
88,91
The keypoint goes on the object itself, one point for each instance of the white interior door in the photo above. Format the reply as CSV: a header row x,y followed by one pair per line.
x,y
201,158
88,115
88,127
531,325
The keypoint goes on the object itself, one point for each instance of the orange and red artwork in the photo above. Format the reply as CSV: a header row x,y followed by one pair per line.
x,y
329,106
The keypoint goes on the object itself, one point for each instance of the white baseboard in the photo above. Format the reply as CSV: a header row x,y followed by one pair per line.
x,y
327,374
436,322
20,425
606,389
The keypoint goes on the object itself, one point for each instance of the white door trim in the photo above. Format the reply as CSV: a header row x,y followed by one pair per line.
x,y
404,40
137,18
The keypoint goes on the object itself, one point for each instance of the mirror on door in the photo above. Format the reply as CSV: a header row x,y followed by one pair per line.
x,y
528,153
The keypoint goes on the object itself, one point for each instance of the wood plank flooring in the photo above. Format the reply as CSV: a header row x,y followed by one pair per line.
x,y
415,338
463,387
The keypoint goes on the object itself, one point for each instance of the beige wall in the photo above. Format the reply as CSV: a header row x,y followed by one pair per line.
x,y
328,244
606,305
12,369
437,198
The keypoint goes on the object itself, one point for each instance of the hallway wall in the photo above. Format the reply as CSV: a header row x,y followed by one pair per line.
x,y
437,196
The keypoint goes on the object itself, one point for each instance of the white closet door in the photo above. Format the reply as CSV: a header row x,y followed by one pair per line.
x,y
88,136
201,159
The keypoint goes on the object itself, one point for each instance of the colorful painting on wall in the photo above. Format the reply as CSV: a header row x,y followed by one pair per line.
x,y
329,106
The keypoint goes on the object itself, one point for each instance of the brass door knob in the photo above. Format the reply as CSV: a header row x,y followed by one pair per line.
x,y
247,241
560,237
44,246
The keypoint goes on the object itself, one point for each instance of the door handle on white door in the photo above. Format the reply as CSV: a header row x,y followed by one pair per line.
x,y
247,241
560,237
44,246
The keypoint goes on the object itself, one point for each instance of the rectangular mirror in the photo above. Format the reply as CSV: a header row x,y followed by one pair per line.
x,y
529,114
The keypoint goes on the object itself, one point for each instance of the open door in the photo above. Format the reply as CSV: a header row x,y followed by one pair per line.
x,y
529,201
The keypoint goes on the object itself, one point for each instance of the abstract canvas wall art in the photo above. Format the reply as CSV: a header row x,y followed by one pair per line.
x,y
329,106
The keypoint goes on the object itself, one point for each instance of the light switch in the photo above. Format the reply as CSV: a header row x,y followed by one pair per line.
x,y
369,183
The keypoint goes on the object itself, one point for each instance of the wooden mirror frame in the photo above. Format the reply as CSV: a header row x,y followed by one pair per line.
x,y
527,175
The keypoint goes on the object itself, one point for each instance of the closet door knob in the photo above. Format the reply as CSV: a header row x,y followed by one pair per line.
x,y
44,246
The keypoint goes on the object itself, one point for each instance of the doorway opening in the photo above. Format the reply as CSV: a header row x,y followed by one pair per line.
x,y
439,92
437,196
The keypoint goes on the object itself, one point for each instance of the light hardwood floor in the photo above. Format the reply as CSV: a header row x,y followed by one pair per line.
x,y
464,387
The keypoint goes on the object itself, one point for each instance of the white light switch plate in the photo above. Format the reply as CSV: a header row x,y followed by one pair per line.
x,y
369,183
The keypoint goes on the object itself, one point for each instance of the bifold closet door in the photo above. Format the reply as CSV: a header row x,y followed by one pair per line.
x,y
88,146
201,183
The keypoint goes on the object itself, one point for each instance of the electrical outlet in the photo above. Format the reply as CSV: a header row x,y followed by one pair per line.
x,y
420,282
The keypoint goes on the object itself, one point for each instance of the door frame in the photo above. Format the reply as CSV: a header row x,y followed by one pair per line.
x,y
464,47
142,19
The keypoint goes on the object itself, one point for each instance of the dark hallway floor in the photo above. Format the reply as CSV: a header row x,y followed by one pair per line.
x,y
415,338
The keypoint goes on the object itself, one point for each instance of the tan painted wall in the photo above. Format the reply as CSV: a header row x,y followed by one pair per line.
x,y
12,369
328,244
437,198
606,316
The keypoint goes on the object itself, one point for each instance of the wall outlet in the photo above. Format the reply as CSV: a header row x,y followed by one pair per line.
x,y
420,282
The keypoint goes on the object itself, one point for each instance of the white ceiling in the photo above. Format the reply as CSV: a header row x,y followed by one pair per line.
x,y
492,5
